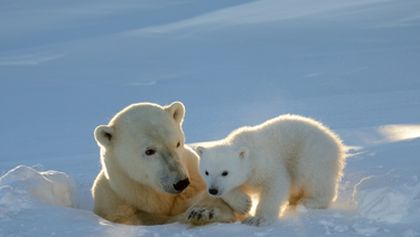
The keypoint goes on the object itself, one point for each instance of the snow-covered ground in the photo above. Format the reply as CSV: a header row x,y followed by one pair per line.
x,y
68,66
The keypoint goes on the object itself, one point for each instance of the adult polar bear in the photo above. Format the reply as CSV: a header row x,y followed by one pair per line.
x,y
288,158
149,176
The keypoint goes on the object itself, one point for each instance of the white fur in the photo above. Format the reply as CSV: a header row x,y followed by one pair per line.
x,y
286,158
136,188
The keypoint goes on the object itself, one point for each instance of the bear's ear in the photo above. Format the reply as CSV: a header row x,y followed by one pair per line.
x,y
200,150
104,135
243,153
177,111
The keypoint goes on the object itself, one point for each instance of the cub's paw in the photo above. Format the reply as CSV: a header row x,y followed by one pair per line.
x,y
313,203
256,221
201,215
242,203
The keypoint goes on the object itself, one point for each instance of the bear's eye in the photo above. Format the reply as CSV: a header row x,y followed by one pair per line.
x,y
178,144
207,173
150,152
225,173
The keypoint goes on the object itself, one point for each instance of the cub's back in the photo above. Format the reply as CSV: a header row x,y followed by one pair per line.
x,y
292,128
285,134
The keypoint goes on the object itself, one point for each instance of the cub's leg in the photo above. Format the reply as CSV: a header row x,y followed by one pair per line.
x,y
319,197
238,200
319,172
274,195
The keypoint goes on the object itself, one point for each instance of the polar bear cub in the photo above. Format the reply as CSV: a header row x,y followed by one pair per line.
x,y
288,158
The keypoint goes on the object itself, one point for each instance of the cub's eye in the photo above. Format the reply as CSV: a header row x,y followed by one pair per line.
x,y
225,173
178,144
207,173
150,152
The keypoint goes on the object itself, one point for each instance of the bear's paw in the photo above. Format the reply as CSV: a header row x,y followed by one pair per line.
x,y
256,221
201,215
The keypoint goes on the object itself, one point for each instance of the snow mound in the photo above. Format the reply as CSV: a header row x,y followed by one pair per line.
x,y
388,198
24,187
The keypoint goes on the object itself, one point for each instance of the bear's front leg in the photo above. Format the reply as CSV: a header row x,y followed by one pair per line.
x,y
274,195
238,200
209,210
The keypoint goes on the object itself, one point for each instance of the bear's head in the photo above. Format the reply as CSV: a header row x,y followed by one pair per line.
x,y
146,142
223,167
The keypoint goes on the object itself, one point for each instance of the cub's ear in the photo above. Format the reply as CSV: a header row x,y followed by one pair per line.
x,y
200,150
243,153
177,111
104,135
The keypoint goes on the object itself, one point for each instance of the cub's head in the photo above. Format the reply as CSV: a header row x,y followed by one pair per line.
x,y
223,167
145,141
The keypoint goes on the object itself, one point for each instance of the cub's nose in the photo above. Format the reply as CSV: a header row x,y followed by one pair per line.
x,y
213,191
181,185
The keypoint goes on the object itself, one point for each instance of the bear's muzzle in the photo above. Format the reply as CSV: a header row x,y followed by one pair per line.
x,y
181,185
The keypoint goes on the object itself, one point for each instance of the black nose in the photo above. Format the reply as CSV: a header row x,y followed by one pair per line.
x,y
213,191
181,185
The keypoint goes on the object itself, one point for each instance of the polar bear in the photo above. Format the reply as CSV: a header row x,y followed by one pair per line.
x,y
288,158
149,176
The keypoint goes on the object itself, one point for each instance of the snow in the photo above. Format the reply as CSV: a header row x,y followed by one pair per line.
x,y
68,66
383,199
52,187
